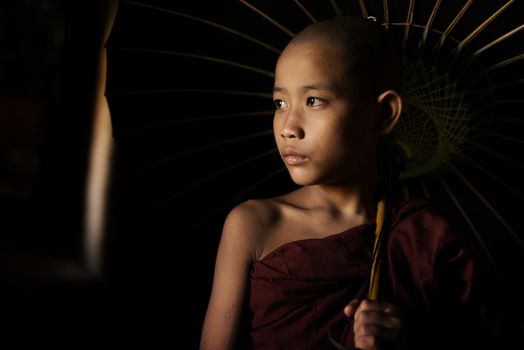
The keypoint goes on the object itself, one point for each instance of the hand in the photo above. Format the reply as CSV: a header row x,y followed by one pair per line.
x,y
377,325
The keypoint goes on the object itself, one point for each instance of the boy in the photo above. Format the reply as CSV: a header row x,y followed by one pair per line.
x,y
288,268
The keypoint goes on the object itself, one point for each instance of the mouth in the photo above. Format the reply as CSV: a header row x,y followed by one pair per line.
x,y
291,157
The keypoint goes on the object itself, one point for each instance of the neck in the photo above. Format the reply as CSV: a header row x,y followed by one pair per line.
x,y
355,199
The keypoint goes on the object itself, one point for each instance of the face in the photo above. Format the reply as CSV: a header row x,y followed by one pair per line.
x,y
323,126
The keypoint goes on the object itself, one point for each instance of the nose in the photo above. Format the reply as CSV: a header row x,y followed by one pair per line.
x,y
291,127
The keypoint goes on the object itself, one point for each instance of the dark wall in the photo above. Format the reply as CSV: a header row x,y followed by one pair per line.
x,y
49,57
49,62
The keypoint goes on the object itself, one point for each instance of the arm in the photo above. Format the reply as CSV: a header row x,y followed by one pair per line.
x,y
236,252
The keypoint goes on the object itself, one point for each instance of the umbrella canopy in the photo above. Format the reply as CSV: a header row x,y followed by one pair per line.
x,y
190,92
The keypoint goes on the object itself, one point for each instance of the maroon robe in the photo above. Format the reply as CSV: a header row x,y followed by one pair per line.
x,y
434,274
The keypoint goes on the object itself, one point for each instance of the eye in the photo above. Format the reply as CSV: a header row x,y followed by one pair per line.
x,y
314,101
280,104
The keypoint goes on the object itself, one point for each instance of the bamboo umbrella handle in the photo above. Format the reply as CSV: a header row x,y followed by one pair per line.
x,y
374,277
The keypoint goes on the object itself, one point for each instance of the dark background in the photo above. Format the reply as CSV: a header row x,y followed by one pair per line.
x,y
168,195
48,65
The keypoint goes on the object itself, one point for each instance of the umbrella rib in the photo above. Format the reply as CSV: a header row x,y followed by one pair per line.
x,y
497,154
208,22
505,62
483,25
457,18
429,23
202,148
386,12
498,40
501,119
299,4
495,87
470,224
190,120
176,91
232,200
498,135
453,23
363,8
336,7
268,18
488,205
509,101
409,21
198,56
212,176
490,174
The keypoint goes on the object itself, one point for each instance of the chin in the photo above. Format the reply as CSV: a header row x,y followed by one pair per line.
x,y
302,178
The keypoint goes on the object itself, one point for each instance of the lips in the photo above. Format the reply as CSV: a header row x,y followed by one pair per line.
x,y
292,157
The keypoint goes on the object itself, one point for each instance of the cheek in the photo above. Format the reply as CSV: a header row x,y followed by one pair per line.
x,y
276,131
340,142
328,133
330,143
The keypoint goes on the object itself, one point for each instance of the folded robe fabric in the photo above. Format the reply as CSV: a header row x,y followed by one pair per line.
x,y
434,274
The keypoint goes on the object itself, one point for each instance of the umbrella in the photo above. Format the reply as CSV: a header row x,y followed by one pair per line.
x,y
189,88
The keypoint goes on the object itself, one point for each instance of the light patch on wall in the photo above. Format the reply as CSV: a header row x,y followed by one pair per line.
x,y
98,178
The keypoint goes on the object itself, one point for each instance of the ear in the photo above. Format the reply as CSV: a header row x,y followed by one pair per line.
x,y
390,108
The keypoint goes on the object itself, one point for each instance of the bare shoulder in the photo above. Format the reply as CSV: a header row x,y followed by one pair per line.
x,y
250,223
253,212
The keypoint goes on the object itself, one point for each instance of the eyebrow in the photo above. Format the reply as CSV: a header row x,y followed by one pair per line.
x,y
316,86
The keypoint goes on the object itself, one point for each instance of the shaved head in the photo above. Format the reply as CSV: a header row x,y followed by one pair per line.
x,y
372,55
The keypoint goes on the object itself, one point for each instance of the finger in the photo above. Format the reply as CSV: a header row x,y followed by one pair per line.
x,y
380,306
376,332
350,308
371,343
379,318
390,333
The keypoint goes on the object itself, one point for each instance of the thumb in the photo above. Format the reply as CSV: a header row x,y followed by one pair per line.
x,y
351,308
